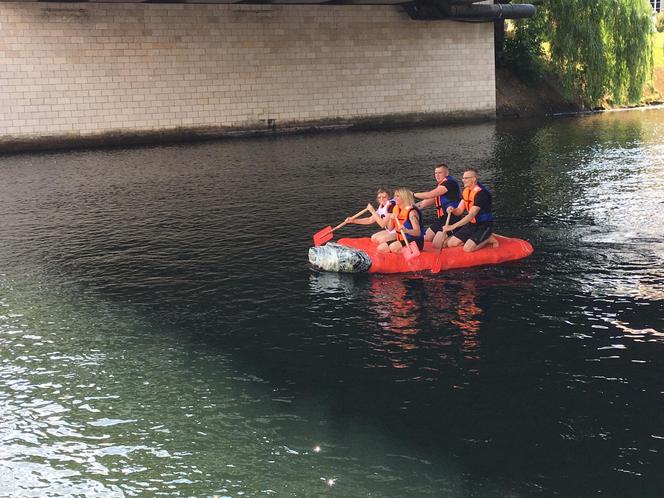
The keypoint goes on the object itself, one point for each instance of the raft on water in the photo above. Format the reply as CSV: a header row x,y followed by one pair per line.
x,y
359,255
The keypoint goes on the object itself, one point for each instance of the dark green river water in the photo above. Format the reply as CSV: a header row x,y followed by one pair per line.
x,y
162,334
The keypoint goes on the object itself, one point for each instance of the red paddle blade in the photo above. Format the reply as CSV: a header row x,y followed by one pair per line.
x,y
410,251
439,260
438,264
323,236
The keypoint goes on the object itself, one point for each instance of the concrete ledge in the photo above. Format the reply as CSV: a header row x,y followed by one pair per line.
x,y
122,138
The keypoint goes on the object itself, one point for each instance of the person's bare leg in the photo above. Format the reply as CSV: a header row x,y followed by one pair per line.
x,y
396,247
492,241
471,246
430,235
383,248
382,236
454,242
377,237
439,240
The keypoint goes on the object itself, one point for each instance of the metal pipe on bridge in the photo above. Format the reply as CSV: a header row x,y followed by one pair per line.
x,y
456,10
467,10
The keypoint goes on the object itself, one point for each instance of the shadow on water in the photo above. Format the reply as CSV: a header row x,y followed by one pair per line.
x,y
188,264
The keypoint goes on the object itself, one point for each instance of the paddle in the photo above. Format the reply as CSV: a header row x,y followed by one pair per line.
x,y
439,261
322,236
413,251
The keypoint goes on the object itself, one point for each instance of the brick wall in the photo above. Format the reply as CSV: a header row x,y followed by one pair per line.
x,y
85,69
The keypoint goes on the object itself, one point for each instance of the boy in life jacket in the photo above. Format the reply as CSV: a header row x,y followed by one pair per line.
x,y
475,229
407,216
379,216
446,194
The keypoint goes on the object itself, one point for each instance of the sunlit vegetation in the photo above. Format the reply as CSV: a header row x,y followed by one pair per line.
x,y
599,50
658,51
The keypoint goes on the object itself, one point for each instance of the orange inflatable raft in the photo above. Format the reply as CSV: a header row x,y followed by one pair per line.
x,y
359,255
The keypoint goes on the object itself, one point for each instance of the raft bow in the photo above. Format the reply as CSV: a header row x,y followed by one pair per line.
x,y
339,258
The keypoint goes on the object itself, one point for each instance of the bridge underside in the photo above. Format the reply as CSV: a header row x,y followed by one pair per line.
x,y
423,10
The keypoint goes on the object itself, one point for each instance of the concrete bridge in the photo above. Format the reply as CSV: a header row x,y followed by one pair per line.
x,y
99,72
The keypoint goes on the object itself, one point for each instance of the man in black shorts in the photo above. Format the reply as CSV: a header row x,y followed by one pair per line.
x,y
446,194
475,229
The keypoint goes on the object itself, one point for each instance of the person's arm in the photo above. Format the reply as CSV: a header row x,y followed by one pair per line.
x,y
381,222
369,220
361,221
438,191
425,203
474,211
415,222
457,211
390,222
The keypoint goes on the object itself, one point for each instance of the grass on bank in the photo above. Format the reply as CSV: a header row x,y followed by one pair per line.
x,y
659,49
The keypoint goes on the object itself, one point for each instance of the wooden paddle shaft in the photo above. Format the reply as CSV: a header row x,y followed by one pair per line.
x,y
352,218
403,234
436,266
447,222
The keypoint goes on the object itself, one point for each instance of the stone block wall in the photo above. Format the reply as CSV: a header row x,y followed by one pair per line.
x,y
88,69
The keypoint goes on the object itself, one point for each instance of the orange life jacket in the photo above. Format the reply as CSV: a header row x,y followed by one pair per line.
x,y
402,216
469,201
449,198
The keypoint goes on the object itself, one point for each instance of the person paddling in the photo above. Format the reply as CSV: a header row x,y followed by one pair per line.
x,y
379,216
407,217
475,229
446,194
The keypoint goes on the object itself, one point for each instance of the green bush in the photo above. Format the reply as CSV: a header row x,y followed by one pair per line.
x,y
659,23
523,57
522,49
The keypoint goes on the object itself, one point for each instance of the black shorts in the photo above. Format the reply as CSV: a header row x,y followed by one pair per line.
x,y
477,232
419,242
437,225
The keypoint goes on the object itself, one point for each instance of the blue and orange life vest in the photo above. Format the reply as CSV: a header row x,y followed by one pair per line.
x,y
449,198
403,217
469,194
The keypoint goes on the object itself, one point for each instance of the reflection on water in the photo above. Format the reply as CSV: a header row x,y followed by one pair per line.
x,y
162,334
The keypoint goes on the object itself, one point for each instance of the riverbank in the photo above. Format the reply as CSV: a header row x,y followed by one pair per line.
x,y
515,99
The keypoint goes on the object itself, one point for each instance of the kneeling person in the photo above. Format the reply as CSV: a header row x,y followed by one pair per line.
x,y
446,194
475,229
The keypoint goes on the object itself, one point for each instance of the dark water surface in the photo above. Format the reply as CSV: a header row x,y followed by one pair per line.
x,y
161,333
